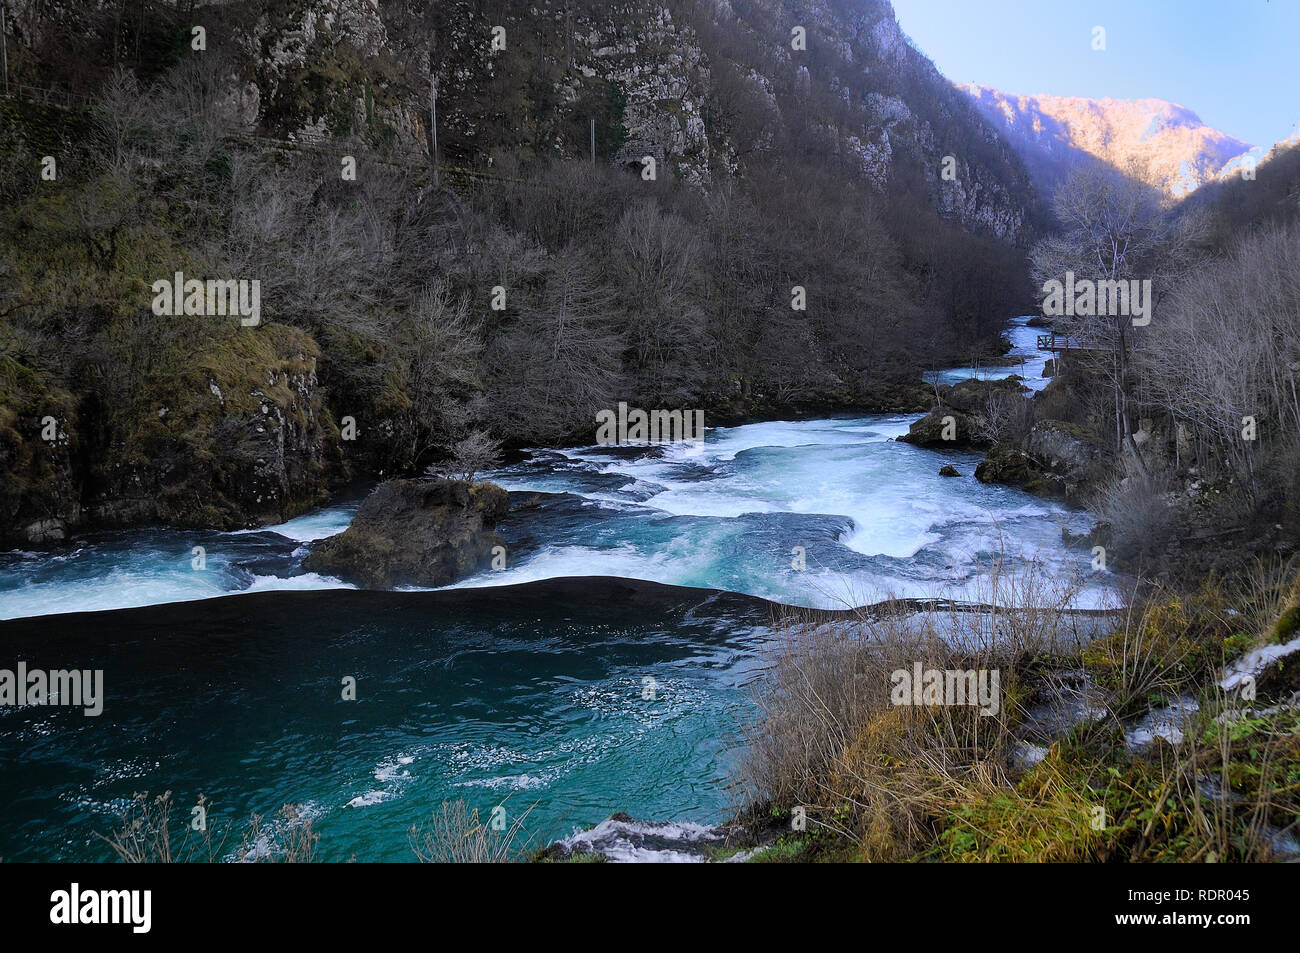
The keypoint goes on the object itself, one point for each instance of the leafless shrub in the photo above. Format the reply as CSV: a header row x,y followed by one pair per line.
x,y
1006,418
1135,504
292,840
454,834
145,836
468,457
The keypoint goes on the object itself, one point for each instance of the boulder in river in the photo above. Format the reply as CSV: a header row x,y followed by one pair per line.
x,y
972,395
943,429
1009,465
948,470
415,533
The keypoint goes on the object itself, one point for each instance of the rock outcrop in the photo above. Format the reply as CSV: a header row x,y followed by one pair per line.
x,y
1056,460
236,433
1066,451
972,395
1009,465
943,428
409,533
959,421
38,487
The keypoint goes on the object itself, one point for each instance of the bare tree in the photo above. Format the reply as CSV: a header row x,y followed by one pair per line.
x,y
466,458
1227,348
122,120
655,254
560,361
440,351
1006,418
1115,228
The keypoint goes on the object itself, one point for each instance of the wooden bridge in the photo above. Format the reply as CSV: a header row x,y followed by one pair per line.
x,y
1058,343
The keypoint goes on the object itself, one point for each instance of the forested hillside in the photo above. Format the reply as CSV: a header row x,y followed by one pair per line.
x,y
1180,428
515,289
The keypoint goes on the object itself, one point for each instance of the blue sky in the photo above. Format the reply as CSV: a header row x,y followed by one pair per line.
x,y
1235,63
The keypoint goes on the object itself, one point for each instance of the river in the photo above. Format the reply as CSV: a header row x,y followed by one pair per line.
x,y
526,686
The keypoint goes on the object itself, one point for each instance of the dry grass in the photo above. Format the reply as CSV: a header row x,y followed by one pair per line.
x,y
881,782
146,836
875,773
292,841
454,834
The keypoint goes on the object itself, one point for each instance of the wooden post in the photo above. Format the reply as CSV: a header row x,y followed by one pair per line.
x,y
4,46
593,142
433,124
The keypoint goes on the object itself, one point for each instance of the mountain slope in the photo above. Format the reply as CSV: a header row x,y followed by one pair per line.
x,y
799,249
709,87
1168,143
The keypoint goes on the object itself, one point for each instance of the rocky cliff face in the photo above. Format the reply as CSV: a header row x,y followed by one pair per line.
x,y
227,444
267,447
1166,142
38,494
863,94
703,87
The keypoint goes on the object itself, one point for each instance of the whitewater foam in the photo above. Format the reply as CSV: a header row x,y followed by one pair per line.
x,y
628,841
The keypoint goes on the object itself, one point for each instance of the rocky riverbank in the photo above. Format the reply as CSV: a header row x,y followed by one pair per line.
x,y
1091,760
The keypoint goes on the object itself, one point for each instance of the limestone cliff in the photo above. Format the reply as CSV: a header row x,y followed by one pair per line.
x,y
701,86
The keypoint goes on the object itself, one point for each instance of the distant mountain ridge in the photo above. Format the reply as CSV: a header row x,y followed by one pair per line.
x,y
1175,150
